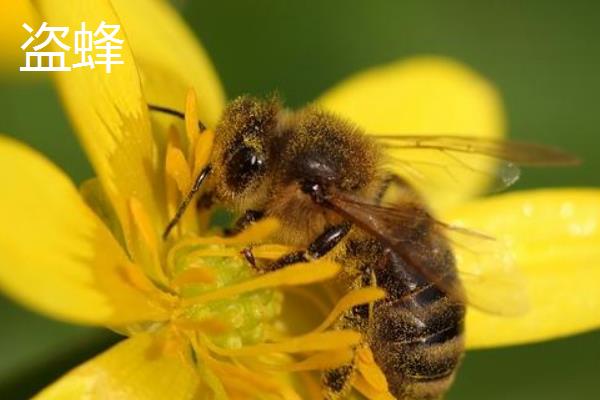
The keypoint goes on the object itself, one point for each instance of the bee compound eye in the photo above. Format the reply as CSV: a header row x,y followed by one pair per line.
x,y
247,159
245,164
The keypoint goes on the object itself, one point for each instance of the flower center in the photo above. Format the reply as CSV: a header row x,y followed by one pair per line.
x,y
231,322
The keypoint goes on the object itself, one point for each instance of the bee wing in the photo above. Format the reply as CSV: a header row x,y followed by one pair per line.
x,y
488,272
440,162
522,153
488,280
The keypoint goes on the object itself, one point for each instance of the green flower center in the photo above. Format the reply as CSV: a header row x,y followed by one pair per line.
x,y
233,322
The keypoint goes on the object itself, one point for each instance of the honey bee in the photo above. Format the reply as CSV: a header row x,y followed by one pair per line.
x,y
326,181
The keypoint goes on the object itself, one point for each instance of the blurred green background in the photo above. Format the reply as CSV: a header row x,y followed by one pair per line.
x,y
543,56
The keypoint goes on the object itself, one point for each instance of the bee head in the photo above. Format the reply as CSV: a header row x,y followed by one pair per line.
x,y
241,156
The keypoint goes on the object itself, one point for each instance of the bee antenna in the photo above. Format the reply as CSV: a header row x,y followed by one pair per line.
x,y
175,113
186,200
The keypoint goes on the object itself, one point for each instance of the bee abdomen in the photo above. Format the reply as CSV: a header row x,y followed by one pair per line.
x,y
417,341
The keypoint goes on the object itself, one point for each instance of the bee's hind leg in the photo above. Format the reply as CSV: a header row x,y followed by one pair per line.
x,y
319,247
337,382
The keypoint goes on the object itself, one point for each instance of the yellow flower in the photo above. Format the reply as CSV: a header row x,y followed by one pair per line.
x,y
12,36
198,322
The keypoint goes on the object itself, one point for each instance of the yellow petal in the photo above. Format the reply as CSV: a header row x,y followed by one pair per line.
x,y
132,369
424,96
554,237
56,255
108,111
13,36
170,58
95,197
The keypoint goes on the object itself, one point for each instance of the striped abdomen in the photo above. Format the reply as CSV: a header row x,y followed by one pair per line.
x,y
416,333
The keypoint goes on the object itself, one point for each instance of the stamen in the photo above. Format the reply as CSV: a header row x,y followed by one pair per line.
x,y
215,251
324,341
202,150
370,370
173,137
269,252
238,377
311,385
193,276
320,361
136,278
256,232
177,168
351,299
369,391
143,224
297,274
147,248
132,275
171,190
308,295
191,119
212,381
210,326
166,342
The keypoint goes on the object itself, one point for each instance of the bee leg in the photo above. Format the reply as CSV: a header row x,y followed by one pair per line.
x,y
337,382
249,217
322,245
175,113
205,201
249,256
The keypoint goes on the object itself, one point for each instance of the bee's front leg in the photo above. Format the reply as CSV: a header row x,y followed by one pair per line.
x,y
248,218
322,245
